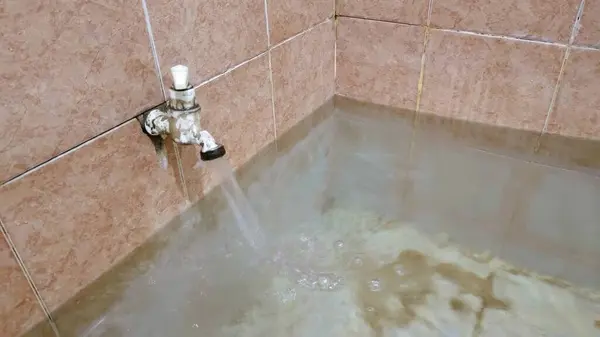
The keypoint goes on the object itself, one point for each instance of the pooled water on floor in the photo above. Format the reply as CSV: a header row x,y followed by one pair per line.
x,y
348,240
395,281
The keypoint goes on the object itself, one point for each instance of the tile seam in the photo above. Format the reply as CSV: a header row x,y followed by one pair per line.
x,y
469,32
153,48
268,26
420,82
69,151
29,278
555,92
158,71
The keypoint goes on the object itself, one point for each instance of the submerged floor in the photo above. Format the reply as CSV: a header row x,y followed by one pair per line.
x,y
399,282
376,223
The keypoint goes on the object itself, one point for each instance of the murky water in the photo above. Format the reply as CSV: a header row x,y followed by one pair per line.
x,y
399,282
371,225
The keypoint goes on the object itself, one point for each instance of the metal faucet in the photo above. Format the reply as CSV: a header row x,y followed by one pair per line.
x,y
179,118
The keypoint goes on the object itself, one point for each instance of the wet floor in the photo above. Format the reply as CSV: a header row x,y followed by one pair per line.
x,y
376,223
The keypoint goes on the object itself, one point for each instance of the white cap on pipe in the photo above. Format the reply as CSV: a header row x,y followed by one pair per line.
x,y
180,76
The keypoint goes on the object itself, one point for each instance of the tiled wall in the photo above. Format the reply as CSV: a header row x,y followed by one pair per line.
x,y
80,184
524,64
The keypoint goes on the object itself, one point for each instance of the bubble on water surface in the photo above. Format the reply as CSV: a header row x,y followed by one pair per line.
x,y
320,281
375,285
339,244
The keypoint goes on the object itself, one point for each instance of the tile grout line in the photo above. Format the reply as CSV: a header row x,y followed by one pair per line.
x,y
162,87
420,81
335,57
29,278
71,150
267,24
335,28
551,105
497,36
228,70
153,48
467,32
114,128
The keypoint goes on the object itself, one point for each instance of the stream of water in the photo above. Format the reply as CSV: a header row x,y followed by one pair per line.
x,y
249,225
245,217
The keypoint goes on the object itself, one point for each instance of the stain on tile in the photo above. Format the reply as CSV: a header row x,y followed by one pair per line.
x,y
540,20
89,209
577,109
490,80
303,74
290,17
379,62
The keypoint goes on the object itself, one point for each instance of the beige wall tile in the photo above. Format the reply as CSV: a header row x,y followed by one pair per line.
x,y
70,70
490,80
237,110
577,110
545,20
19,309
208,36
379,62
73,218
290,17
402,11
303,74
589,28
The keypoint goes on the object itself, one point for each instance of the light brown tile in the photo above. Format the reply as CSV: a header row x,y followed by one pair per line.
x,y
75,217
290,17
589,26
379,62
207,36
402,11
490,80
577,110
237,110
540,20
19,309
303,74
70,70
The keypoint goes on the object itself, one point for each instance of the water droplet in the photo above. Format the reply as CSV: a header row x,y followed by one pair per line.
x,y
196,325
399,269
357,262
375,285
339,244
370,309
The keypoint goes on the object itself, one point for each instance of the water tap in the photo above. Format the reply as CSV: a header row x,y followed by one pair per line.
x,y
179,118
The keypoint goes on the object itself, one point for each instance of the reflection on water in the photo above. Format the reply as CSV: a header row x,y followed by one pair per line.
x,y
352,221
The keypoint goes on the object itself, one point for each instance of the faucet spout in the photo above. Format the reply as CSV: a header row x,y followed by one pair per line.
x,y
210,148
